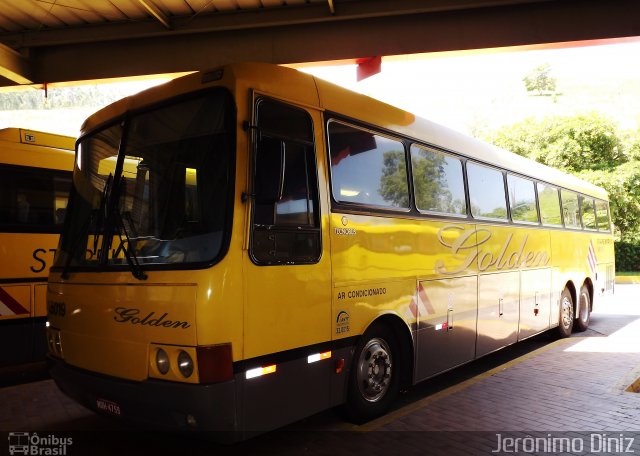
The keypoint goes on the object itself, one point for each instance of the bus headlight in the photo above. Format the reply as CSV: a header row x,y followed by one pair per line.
x,y
173,363
162,361
185,364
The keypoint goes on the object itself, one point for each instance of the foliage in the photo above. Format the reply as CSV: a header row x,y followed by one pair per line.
x,y
428,172
587,141
627,256
623,185
60,97
431,185
393,182
592,147
540,80
430,181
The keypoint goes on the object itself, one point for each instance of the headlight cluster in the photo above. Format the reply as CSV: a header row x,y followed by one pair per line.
x,y
173,363
54,342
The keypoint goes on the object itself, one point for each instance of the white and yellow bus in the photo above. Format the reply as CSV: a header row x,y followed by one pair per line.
x,y
35,179
251,245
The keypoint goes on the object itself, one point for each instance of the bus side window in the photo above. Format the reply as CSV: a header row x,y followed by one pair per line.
x,y
570,208
286,223
602,216
587,213
32,199
367,169
438,182
549,205
522,198
486,192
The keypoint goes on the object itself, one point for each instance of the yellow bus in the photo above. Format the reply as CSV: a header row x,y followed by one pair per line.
x,y
35,179
248,246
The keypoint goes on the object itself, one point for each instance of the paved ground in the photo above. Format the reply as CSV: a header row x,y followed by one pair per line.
x,y
538,397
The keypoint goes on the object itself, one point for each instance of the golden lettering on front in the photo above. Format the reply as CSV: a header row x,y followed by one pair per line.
x,y
470,242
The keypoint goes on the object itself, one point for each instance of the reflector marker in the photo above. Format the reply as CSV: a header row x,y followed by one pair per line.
x,y
318,357
259,371
592,260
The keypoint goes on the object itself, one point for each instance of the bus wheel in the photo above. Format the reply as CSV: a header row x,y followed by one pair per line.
x,y
565,325
375,375
582,322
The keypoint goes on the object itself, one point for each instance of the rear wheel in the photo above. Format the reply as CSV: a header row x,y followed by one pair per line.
x,y
565,324
584,303
375,375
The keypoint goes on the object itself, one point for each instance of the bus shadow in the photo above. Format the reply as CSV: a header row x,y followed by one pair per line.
x,y
324,433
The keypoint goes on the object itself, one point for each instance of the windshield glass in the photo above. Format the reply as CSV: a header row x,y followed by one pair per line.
x,y
155,187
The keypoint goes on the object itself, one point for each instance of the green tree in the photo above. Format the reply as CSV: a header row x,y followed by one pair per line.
x,y
61,97
430,186
428,172
573,144
393,182
623,185
590,146
540,80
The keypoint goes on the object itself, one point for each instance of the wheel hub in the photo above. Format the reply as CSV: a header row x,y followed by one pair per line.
x,y
374,370
567,312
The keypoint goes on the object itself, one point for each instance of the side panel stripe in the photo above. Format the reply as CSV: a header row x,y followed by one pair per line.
x,y
9,306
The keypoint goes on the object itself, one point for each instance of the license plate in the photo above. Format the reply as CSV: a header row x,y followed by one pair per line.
x,y
108,406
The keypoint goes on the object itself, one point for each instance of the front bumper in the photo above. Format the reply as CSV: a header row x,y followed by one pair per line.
x,y
156,404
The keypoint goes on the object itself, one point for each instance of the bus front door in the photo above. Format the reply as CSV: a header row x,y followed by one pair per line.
x,y
287,292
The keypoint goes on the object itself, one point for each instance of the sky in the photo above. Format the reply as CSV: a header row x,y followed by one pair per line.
x,y
484,89
69,120
468,91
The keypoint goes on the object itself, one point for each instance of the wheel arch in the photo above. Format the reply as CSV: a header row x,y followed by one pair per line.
x,y
589,284
574,293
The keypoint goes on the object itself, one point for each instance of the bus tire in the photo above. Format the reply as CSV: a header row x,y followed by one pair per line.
x,y
584,301
374,380
565,323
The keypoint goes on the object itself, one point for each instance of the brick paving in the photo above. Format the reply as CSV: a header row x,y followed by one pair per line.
x,y
575,387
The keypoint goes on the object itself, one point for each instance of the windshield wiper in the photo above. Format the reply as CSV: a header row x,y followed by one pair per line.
x,y
98,216
129,252
102,212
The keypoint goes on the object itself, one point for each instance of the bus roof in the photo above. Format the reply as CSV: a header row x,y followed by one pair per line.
x,y
37,138
375,112
309,90
19,146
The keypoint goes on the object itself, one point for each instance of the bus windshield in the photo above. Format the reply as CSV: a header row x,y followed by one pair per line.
x,y
154,188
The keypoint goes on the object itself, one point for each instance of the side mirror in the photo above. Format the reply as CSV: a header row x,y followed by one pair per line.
x,y
269,170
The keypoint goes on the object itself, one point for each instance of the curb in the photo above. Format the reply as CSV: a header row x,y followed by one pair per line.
x,y
627,279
